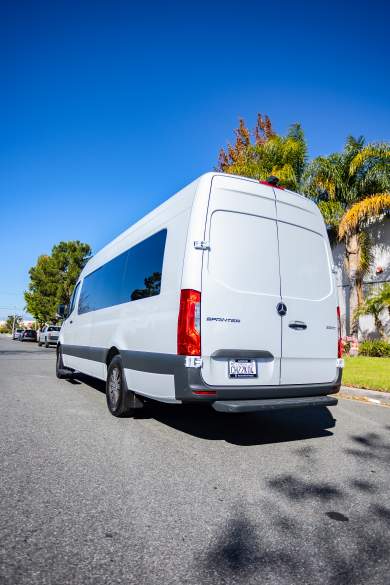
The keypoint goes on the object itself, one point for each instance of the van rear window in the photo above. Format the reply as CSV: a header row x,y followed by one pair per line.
x,y
244,252
304,263
131,276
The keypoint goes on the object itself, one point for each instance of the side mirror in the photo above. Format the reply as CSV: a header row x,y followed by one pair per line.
x,y
62,311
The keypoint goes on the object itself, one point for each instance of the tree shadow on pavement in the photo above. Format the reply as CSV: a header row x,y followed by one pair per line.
x,y
305,529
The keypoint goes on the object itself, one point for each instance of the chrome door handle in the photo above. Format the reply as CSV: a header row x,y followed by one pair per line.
x,y
300,325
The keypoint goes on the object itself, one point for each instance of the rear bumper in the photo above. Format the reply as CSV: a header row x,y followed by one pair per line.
x,y
193,382
272,403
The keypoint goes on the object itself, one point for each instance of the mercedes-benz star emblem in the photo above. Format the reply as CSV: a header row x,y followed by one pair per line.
x,y
281,309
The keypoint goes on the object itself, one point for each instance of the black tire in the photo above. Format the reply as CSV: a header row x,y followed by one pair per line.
x,y
39,344
119,398
61,372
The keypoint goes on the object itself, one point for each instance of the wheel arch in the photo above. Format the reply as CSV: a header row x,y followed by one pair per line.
x,y
112,352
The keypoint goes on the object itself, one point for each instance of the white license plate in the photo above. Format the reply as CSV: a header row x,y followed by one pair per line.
x,y
242,369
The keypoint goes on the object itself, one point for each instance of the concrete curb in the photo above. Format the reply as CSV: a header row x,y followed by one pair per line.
x,y
366,395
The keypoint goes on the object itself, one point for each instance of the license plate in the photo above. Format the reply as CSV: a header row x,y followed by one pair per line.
x,y
242,369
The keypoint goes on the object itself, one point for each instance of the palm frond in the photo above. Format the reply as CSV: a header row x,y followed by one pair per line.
x,y
365,257
362,212
323,173
372,152
375,178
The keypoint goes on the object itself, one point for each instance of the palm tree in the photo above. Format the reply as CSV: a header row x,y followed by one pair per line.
x,y
352,189
264,153
374,306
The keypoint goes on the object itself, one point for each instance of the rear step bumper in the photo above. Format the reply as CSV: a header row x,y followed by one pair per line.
x,y
272,403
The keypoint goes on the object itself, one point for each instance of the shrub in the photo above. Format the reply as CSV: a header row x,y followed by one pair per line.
x,y
374,348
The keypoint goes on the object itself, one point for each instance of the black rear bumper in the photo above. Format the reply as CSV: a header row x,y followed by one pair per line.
x,y
190,380
272,403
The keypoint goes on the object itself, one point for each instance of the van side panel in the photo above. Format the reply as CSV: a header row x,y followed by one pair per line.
x,y
147,325
150,325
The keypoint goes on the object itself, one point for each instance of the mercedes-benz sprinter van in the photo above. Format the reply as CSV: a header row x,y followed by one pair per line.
x,y
223,294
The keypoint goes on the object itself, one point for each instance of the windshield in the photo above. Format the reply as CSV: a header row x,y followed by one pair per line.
x,y
53,328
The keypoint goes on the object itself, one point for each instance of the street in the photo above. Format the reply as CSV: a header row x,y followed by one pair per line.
x,y
185,495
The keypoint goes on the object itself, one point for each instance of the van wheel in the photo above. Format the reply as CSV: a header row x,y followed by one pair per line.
x,y
39,344
62,372
120,399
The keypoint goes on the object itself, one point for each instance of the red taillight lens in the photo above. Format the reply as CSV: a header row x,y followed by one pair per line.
x,y
339,342
188,327
271,185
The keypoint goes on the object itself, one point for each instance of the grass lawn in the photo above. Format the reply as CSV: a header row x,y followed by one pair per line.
x,y
367,372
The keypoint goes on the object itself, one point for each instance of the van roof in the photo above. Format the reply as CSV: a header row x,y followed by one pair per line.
x,y
185,196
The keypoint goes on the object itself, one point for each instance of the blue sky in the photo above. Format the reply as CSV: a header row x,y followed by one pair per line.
x,y
107,108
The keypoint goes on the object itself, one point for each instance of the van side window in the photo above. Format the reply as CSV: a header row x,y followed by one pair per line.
x,y
131,276
73,298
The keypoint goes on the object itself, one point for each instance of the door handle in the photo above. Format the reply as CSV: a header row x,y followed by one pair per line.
x,y
71,321
299,325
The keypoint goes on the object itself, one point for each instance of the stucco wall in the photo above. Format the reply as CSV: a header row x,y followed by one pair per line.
x,y
380,235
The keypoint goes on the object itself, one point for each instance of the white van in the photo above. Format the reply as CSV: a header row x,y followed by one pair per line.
x,y
224,294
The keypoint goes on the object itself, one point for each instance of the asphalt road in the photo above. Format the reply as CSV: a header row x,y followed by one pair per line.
x,y
185,495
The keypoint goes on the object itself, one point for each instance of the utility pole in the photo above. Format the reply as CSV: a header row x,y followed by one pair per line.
x,y
13,325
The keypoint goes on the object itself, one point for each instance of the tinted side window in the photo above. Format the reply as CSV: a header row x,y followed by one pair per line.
x,y
133,275
144,268
73,298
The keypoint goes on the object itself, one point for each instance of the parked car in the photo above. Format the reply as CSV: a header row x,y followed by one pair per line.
x,y
224,295
49,335
28,335
17,333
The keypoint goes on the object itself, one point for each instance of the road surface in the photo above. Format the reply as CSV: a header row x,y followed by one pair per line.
x,y
182,495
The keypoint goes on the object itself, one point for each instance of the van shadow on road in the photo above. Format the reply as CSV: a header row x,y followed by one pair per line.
x,y
239,429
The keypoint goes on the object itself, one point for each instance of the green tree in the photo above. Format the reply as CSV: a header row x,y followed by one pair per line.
x,y
9,323
352,191
53,278
264,153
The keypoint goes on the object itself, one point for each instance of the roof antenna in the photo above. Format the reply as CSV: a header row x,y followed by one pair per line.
x,y
272,180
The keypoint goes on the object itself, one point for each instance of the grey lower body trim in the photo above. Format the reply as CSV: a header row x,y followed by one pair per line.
x,y
189,380
95,354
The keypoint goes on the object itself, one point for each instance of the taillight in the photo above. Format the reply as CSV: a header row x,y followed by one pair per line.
x,y
275,186
188,327
339,341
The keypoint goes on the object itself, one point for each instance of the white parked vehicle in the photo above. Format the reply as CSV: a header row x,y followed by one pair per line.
x,y
223,294
48,335
17,333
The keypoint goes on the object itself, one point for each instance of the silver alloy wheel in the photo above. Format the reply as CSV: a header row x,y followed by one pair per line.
x,y
114,386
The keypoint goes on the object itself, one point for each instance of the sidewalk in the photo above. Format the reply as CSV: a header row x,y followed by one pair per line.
x,y
362,394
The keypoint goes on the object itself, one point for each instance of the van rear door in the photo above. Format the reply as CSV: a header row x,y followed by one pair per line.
x,y
241,283
309,328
